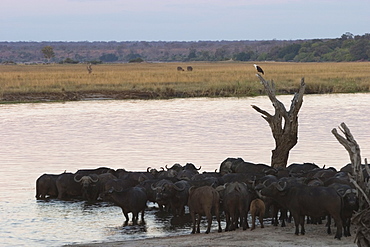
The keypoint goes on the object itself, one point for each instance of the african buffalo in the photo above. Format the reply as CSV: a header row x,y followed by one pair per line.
x,y
350,204
46,186
298,169
226,165
299,200
176,194
72,186
202,201
100,170
89,186
236,201
158,187
132,200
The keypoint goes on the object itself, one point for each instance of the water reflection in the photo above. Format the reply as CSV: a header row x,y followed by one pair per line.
x,y
52,138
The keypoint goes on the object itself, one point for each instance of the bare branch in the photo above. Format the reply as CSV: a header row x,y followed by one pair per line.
x,y
262,111
360,189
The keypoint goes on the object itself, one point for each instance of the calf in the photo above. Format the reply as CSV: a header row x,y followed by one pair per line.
x,y
257,208
202,201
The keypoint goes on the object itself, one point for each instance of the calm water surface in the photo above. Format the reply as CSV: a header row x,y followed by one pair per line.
x,y
54,137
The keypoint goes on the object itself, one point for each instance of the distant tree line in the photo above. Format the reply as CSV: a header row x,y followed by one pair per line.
x,y
346,48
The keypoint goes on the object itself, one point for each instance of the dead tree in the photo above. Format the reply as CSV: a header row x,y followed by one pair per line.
x,y
361,220
283,124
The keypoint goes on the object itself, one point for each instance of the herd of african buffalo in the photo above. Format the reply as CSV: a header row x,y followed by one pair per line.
x,y
302,192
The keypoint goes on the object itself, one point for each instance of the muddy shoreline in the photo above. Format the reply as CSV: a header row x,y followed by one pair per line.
x,y
274,236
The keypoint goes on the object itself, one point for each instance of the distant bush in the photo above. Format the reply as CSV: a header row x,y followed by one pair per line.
x,y
109,57
94,62
136,60
69,61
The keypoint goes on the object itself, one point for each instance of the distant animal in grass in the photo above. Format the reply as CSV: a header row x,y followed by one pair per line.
x,y
89,68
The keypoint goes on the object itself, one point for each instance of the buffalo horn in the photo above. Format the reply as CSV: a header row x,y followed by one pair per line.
x,y
348,191
154,188
179,188
94,180
278,186
75,178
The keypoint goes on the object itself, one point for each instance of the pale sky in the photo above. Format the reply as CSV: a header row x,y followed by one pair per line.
x,y
180,20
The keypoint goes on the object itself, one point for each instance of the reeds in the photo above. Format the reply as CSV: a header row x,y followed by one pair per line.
x,y
206,79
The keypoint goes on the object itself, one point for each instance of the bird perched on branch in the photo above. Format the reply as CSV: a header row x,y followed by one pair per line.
x,y
259,69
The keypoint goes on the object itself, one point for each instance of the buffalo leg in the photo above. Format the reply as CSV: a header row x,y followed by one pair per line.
x,y
243,219
142,217
328,224
135,217
126,217
260,217
198,223
227,216
296,223
338,223
217,212
301,219
283,216
209,221
346,227
253,222
193,220
275,210
219,223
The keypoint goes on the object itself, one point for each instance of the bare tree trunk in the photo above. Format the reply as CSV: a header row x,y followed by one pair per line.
x,y
283,124
361,220
354,152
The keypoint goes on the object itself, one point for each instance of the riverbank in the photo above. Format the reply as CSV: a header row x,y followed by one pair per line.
x,y
269,236
45,83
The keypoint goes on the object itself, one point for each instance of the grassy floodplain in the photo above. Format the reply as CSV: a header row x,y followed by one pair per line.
x,y
164,81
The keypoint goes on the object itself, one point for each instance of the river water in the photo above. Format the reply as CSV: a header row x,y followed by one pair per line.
x,y
135,134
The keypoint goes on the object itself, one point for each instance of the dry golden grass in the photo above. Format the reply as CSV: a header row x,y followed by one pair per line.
x,y
208,79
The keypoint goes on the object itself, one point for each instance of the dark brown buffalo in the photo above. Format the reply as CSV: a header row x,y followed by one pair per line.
x,y
350,204
236,201
238,165
163,202
298,169
135,175
89,186
76,186
299,200
180,69
226,165
189,68
203,201
131,200
46,186
100,170
177,167
176,194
